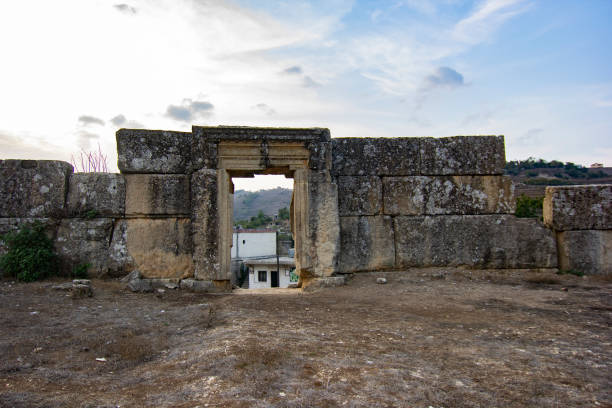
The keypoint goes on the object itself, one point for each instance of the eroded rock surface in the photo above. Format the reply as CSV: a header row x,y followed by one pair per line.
x,y
99,242
96,194
367,244
586,251
153,151
161,248
578,207
359,195
429,195
157,194
462,155
33,188
375,156
482,241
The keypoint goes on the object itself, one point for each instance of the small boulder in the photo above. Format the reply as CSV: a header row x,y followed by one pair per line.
x,y
62,286
381,281
197,285
81,291
140,285
135,274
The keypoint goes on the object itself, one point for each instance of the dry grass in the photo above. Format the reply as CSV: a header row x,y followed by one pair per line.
x,y
470,339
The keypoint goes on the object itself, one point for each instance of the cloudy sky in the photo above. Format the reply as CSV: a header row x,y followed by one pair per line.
x,y
536,71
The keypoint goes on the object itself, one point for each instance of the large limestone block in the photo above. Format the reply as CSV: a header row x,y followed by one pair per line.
x,y
433,195
316,140
366,244
375,156
359,195
478,241
462,155
578,207
99,242
161,248
33,188
153,151
587,251
324,223
205,225
96,194
157,194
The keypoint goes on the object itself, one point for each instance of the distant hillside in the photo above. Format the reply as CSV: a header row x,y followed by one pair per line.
x,y
531,176
248,203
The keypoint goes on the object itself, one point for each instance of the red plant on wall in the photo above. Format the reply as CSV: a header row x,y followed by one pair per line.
x,y
90,162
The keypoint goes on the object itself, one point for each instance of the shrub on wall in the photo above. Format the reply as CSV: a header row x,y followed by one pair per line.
x,y
30,254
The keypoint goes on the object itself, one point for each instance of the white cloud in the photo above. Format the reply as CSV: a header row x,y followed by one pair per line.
x,y
491,14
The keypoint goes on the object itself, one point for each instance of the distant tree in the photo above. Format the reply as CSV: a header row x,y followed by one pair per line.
x,y
258,221
283,213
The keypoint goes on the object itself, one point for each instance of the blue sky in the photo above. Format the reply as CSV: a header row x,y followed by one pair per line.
x,y
537,72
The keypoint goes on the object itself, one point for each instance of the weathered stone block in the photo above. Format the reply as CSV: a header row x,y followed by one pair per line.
x,y
366,244
161,248
359,195
375,156
481,241
433,195
323,223
327,282
587,251
33,188
462,155
96,194
578,207
205,225
316,140
153,151
197,285
99,242
157,194
204,153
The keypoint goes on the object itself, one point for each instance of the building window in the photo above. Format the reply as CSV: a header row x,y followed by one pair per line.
x,y
263,276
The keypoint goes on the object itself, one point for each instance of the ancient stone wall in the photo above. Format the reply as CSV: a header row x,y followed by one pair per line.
x,y
582,219
421,202
360,204
83,212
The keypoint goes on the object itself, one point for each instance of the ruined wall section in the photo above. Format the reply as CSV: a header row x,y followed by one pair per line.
x,y
83,212
425,202
582,219
156,167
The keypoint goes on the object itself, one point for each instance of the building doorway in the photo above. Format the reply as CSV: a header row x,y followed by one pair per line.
x,y
274,279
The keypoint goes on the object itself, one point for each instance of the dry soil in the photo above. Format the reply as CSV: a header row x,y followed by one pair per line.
x,y
427,338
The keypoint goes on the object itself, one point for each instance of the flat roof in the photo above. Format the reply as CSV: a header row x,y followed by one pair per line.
x,y
284,260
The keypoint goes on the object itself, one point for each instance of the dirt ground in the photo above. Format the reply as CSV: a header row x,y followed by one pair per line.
x,y
427,338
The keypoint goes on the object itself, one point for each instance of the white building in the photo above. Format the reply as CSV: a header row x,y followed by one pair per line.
x,y
253,243
263,273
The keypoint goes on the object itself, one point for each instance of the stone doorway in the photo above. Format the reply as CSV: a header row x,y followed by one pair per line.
x,y
245,159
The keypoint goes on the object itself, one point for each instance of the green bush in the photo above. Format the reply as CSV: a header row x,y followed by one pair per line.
x,y
570,272
527,207
30,254
80,271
